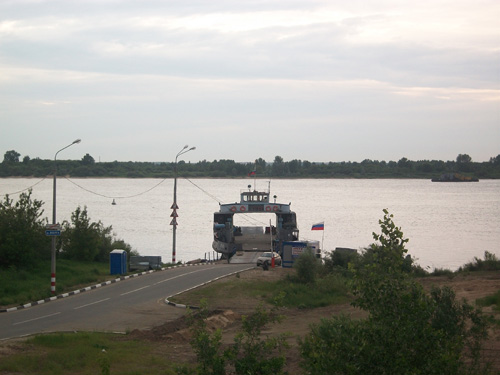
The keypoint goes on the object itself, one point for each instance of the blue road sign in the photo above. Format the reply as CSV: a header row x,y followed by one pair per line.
x,y
52,232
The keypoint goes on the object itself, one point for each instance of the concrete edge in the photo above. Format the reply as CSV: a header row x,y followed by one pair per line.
x,y
78,291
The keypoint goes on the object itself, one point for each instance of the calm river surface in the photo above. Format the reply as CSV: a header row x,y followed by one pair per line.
x,y
448,224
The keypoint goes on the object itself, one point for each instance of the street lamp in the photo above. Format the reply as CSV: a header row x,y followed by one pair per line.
x,y
53,250
174,206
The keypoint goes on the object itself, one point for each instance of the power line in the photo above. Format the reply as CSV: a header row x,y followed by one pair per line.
x,y
117,197
204,191
28,188
245,216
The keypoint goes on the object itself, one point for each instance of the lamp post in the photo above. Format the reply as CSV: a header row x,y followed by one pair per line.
x,y
54,221
174,205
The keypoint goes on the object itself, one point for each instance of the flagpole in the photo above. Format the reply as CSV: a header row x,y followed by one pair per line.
x,y
322,240
320,226
255,176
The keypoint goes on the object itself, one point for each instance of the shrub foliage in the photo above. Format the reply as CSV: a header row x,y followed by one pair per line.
x,y
23,242
249,354
22,239
407,331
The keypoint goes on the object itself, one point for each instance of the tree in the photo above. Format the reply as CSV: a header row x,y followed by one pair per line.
x,y
22,238
407,331
82,239
11,156
278,167
463,159
294,166
88,160
260,166
404,163
464,163
88,241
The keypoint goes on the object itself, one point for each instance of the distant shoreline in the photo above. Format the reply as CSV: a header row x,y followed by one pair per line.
x,y
235,178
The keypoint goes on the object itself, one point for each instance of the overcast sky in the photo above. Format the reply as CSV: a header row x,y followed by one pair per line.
x,y
317,80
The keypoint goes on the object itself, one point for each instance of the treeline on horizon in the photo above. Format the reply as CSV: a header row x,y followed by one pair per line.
x,y
14,166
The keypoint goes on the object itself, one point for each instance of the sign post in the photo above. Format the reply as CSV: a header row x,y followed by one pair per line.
x,y
53,230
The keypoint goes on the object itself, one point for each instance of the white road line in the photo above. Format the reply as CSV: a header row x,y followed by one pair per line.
x,y
135,290
176,277
32,320
90,304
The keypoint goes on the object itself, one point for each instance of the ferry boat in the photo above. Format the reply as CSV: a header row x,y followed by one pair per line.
x,y
243,244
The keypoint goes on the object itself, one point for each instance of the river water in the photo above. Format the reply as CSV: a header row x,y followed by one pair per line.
x,y
448,224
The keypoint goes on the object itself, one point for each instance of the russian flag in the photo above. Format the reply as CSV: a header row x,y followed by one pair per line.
x,y
252,173
319,226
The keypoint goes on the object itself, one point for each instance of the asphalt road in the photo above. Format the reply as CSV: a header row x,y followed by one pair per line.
x,y
135,303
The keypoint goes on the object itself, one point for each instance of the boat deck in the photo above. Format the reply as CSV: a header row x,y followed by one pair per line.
x,y
243,257
253,242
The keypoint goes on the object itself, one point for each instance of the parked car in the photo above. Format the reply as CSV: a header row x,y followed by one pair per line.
x,y
266,257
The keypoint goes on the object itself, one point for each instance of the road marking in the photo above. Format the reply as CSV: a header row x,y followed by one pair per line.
x,y
32,320
135,290
90,304
163,281
175,277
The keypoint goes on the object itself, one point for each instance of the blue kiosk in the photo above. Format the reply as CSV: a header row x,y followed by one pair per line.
x,y
118,262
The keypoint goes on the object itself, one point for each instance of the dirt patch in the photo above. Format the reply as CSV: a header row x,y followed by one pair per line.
x,y
172,337
297,321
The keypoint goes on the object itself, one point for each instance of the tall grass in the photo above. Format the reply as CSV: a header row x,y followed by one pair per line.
x,y
20,286
489,263
327,290
492,300
86,353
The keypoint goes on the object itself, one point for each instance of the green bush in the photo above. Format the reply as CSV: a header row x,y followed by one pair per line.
x,y
407,332
340,258
23,243
442,272
22,237
490,263
206,344
84,240
250,353
307,267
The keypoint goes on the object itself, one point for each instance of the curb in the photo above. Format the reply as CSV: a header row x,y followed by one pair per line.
x,y
197,286
78,291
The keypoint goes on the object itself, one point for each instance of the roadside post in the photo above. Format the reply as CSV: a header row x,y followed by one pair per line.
x,y
174,205
55,232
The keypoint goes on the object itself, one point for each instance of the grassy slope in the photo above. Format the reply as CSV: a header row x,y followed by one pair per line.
x,y
24,286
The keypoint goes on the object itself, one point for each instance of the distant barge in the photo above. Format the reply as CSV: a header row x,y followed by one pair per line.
x,y
454,177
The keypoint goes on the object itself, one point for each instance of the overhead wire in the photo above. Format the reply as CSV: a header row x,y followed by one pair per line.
x,y
116,197
245,216
204,191
28,188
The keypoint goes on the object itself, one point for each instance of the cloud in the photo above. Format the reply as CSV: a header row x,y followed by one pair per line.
x,y
317,80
